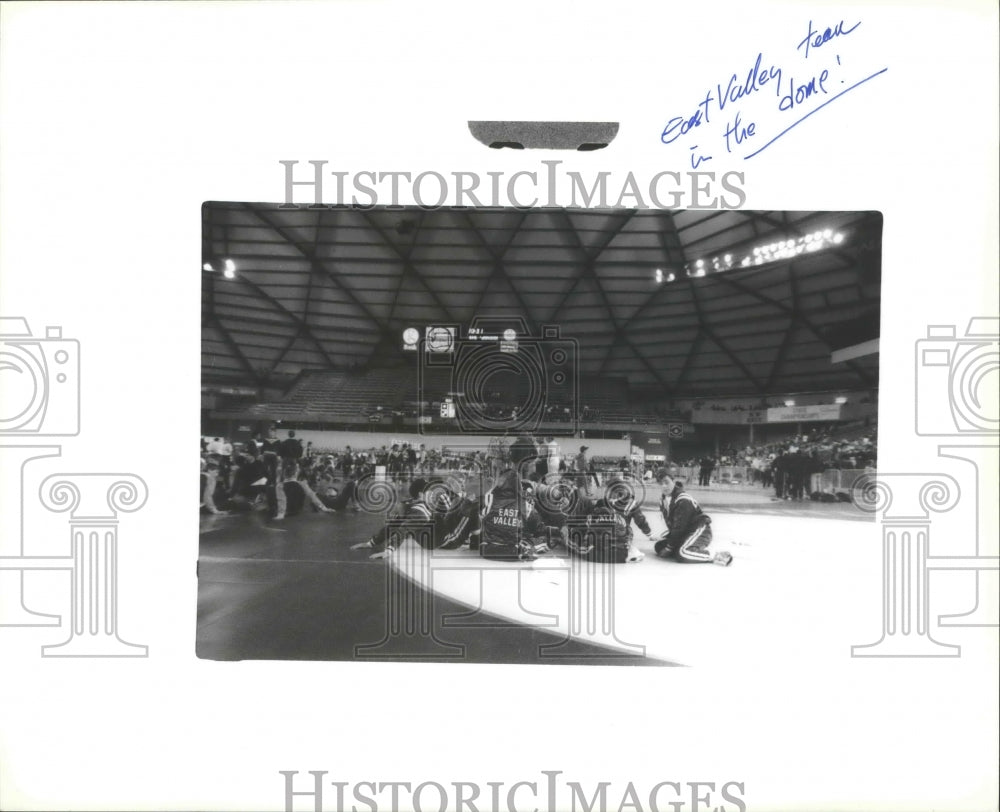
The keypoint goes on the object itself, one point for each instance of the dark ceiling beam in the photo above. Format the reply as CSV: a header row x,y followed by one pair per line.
x,y
408,268
305,308
704,328
387,341
246,333
786,339
670,227
686,368
317,265
796,316
506,247
589,258
500,270
234,348
734,358
667,225
697,223
292,317
409,255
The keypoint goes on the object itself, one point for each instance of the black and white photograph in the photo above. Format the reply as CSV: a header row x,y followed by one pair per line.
x,y
596,404
505,435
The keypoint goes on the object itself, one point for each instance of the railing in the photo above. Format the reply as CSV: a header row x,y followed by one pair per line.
x,y
722,474
835,480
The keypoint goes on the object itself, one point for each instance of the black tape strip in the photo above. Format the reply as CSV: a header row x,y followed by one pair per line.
x,y
578,135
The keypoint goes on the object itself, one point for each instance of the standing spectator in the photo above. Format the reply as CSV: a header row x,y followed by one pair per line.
x,y
225,462
583,470
411,461
290,451
779,468
346,462
395,463
209,481
706,467
797,465
541,461
592,473
272,464
552,453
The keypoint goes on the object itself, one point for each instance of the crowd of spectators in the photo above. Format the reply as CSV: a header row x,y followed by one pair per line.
x,y
788,465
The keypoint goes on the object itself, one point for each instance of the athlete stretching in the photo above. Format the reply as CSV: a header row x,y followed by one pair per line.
x,y
689,528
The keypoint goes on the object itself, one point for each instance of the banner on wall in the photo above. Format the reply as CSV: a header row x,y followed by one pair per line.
x,y
803,414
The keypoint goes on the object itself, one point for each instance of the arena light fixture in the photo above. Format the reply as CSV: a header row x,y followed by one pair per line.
x,y
840,400
207,267
230,271
778,250
789,402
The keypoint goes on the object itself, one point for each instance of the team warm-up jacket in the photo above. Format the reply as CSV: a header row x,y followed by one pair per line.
x,y
452,527
683,517
634,514
615,547
506,520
